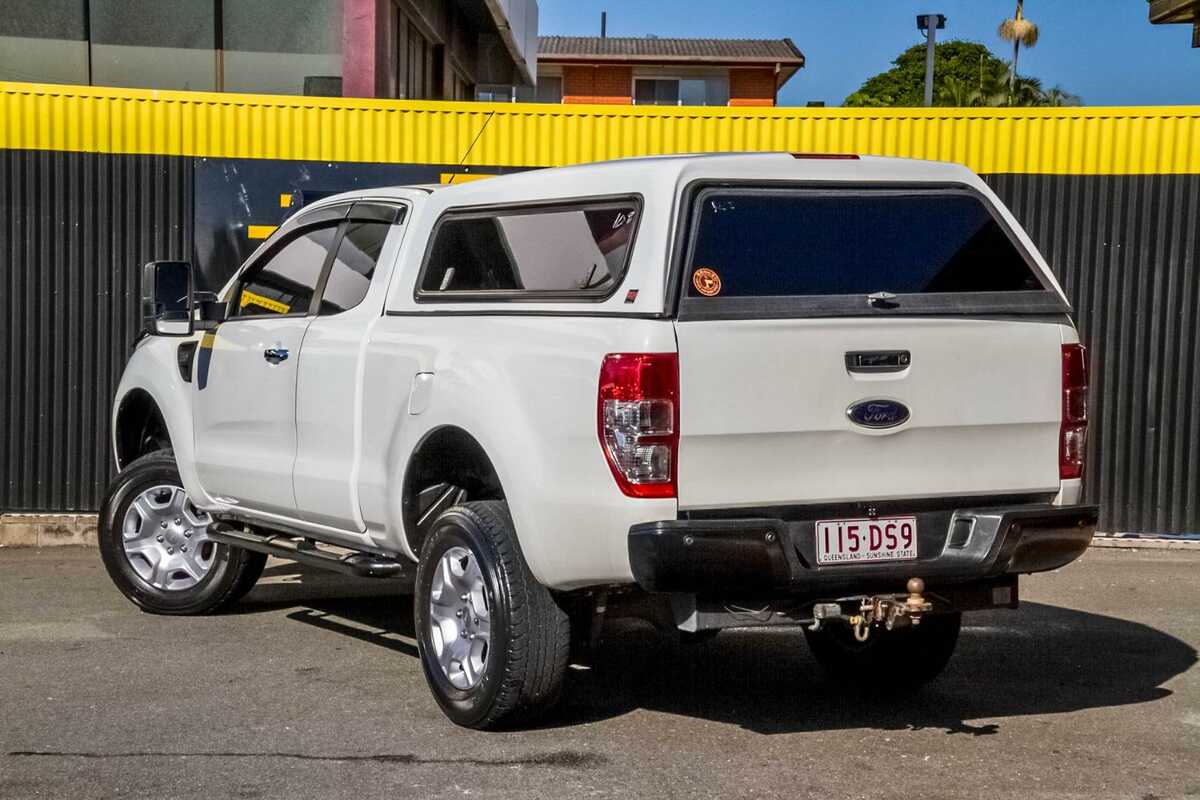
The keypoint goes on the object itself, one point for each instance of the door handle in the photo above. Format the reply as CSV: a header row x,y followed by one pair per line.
x,y
275,354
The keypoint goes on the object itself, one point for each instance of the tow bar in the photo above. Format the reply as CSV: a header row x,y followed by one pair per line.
x,y
888,610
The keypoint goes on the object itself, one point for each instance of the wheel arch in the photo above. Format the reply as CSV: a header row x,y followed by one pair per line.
x,y
152,374
447,467
139,427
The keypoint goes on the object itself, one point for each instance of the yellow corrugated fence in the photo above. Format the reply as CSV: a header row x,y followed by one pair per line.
x,y
1083,141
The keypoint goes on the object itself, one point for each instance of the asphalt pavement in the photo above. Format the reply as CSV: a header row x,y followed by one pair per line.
x,y
310,688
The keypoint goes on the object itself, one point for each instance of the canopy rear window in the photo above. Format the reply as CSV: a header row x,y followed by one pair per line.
x,y
829,250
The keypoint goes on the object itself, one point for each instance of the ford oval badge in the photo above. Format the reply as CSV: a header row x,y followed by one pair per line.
x,y
878,413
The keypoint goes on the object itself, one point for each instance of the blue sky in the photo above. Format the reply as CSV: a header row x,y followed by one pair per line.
x,y
1103,50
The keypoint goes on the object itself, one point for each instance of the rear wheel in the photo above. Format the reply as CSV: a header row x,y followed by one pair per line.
x,y
155,546
898,659
493,641
696,638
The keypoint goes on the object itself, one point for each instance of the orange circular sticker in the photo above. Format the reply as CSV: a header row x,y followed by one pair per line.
x,y
707,282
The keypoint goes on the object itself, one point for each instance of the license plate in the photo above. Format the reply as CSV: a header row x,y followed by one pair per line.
x,y
854,541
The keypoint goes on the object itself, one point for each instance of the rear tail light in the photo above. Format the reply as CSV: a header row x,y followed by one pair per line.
x,y
1073,433
638,421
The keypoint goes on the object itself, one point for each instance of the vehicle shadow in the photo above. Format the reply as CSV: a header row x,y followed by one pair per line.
x,y
1039,659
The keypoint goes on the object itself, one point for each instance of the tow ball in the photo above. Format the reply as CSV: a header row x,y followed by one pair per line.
x,y
890,611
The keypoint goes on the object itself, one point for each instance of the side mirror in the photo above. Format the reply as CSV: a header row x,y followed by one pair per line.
x,y
167,298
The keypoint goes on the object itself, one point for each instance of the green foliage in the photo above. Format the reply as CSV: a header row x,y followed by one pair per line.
x,y
964,74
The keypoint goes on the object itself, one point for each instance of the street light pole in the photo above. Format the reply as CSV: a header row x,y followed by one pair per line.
x,y
930,24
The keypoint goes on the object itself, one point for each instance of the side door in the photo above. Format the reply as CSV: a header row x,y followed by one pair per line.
x,y
245,396
329,397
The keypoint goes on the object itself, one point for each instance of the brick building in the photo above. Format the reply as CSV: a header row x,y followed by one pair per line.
x,y
654,71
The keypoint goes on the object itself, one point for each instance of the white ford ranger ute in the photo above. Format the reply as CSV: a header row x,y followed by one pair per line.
x,y
832,392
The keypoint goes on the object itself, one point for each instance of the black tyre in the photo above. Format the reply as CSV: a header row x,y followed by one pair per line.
x,y
899,659
697,638
154,546
494,643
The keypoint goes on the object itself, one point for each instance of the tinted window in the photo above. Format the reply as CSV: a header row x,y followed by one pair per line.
x,y
580,249
281,46
286,282
656,92
157,44
353,266
830,243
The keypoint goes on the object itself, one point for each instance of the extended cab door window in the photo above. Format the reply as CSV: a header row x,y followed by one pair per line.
x,y
353,265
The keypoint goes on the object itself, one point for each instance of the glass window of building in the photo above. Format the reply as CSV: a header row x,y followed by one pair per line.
x,y
282,47
43,41
415,62
494,93
548,90
697,91
156,44
656,92
712,91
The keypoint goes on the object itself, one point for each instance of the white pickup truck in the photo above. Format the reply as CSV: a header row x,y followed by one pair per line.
x,y
833,392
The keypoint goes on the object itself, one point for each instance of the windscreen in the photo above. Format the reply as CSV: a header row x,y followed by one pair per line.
x,y
762,243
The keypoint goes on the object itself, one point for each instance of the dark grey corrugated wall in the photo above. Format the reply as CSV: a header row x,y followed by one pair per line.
x,y
74,228
1127,251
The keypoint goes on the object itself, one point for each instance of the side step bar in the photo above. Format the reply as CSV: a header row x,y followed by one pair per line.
x,y
363,565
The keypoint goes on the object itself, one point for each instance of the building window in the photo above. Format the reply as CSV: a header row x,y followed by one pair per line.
x,y
656,91
709,91
283,47
415,62
156,44
43,41
494,93
271,46
548,90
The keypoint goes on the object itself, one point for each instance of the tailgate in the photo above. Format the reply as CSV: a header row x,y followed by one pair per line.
x,y
763,410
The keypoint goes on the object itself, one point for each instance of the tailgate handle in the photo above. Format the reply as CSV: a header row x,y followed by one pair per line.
x,y
878,360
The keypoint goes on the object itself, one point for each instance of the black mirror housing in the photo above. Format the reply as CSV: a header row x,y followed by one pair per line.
x,y
212,310
168,298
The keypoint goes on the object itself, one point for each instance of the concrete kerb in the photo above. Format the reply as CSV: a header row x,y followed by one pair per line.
x,y
47,530
51,530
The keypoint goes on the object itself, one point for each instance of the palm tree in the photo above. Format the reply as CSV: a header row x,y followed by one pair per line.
x,y
1058,96
1019,31
1027,92
956,92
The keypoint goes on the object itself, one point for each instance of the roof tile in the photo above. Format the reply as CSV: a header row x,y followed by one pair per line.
x,y
634,48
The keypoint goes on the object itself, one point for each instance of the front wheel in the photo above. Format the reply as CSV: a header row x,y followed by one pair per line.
x,y
903,658
155,546
493,641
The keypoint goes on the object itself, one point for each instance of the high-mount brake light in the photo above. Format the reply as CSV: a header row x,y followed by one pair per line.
x,y
1073,432
828,156
638,421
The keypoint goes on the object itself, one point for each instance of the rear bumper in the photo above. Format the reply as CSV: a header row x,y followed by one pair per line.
x,y
758,556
